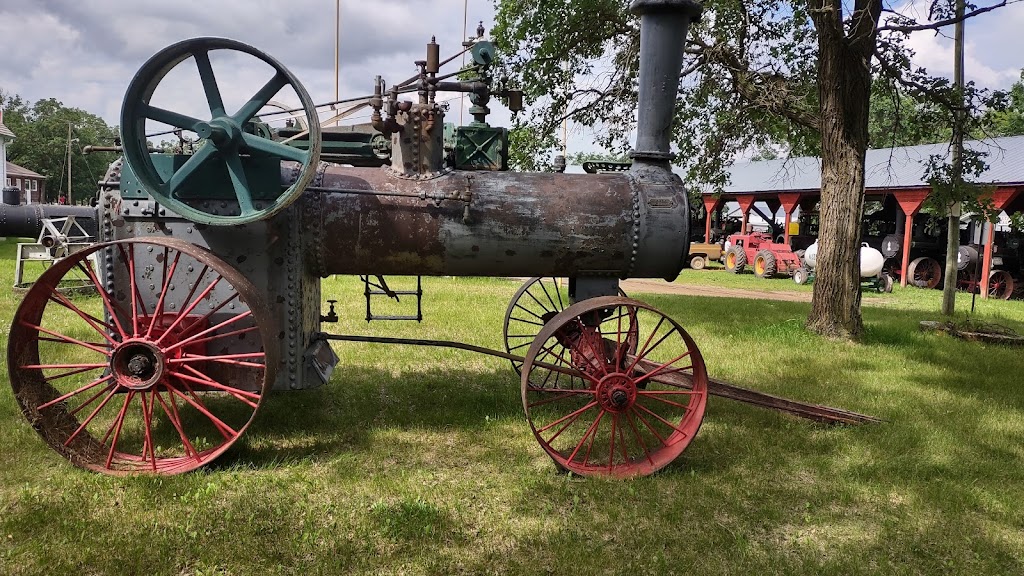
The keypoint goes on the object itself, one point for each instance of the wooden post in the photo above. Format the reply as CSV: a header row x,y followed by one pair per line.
x,y
710,203
1001,199
745,203
910,202
789,202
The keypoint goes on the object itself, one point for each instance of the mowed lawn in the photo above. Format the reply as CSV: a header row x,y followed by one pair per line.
x,y
419,461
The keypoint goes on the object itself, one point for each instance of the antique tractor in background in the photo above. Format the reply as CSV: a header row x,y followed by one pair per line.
x,y
206,289
765,256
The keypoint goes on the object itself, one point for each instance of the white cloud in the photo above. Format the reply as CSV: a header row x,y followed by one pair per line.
x,y
86,53
992,45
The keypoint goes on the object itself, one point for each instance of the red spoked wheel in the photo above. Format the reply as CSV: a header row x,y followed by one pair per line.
x,y
536,302
925,272
159,371
623,412
1000,285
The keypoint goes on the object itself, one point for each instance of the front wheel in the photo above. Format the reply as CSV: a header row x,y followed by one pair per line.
x,y
1000,285
698,262
735,259
925,272
533,305
887,283
800,276
610,411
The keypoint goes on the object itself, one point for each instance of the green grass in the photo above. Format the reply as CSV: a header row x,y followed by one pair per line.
x,y
419,461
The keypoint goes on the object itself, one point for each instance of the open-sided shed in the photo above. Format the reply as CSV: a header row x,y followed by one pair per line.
x,y
889,172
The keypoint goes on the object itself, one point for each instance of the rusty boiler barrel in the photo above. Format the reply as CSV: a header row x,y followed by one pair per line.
x,y
371,221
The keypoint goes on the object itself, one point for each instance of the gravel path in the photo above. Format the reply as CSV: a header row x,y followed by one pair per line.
x,y
662,287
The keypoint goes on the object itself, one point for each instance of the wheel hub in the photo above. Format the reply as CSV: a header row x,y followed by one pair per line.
x,y
616,392
137,364
222,132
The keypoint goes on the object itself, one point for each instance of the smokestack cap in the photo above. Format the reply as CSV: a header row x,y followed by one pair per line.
x,y
691,7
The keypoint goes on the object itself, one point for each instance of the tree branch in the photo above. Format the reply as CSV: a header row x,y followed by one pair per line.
x,y
769,91
943,23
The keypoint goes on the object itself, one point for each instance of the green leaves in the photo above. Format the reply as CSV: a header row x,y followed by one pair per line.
x,y
41,143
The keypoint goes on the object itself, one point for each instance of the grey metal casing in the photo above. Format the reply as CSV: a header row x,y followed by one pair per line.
x,y
268,253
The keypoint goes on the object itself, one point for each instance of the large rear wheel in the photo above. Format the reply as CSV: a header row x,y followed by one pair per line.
x,y
160,370
765,265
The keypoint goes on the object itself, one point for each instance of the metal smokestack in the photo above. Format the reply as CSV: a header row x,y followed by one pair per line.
x,y
663,28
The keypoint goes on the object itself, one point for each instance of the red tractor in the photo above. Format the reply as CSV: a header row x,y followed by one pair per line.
x,y
767,257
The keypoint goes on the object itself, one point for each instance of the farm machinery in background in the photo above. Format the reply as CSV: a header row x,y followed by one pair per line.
x,y
207,277
1001,283
59,230
927,263
757,249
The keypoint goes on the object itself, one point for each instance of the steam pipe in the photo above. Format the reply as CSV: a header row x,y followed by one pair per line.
x,y
663,28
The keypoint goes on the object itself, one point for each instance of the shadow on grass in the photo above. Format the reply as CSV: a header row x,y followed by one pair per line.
x,y
340,417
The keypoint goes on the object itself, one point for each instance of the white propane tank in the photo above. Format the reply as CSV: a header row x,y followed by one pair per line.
x,y
811,255
871,261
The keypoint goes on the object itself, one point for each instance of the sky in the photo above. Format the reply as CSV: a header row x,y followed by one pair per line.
x,y
85,52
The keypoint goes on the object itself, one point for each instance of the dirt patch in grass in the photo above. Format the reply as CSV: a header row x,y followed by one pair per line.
x,y
641,286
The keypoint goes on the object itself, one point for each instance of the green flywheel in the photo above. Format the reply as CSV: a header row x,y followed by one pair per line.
x,y
226,146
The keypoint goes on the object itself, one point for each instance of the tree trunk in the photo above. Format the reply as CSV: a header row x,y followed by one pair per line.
x,y
952,248
844,89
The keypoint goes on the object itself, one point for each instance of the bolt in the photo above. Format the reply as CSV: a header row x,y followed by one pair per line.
x,y
619,398
139,365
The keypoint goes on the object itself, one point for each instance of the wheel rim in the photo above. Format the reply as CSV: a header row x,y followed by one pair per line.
x,y
629,413
759,266
1000,285
223,134
926,272
536,302
730,260
160,371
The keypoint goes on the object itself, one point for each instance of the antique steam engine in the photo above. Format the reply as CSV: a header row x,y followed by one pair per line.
x,y
207,277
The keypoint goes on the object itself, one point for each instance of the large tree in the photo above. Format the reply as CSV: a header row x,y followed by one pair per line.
x,y
796,73
41,144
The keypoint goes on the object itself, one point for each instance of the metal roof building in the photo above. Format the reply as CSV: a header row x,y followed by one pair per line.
x,y
898,172
885,169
